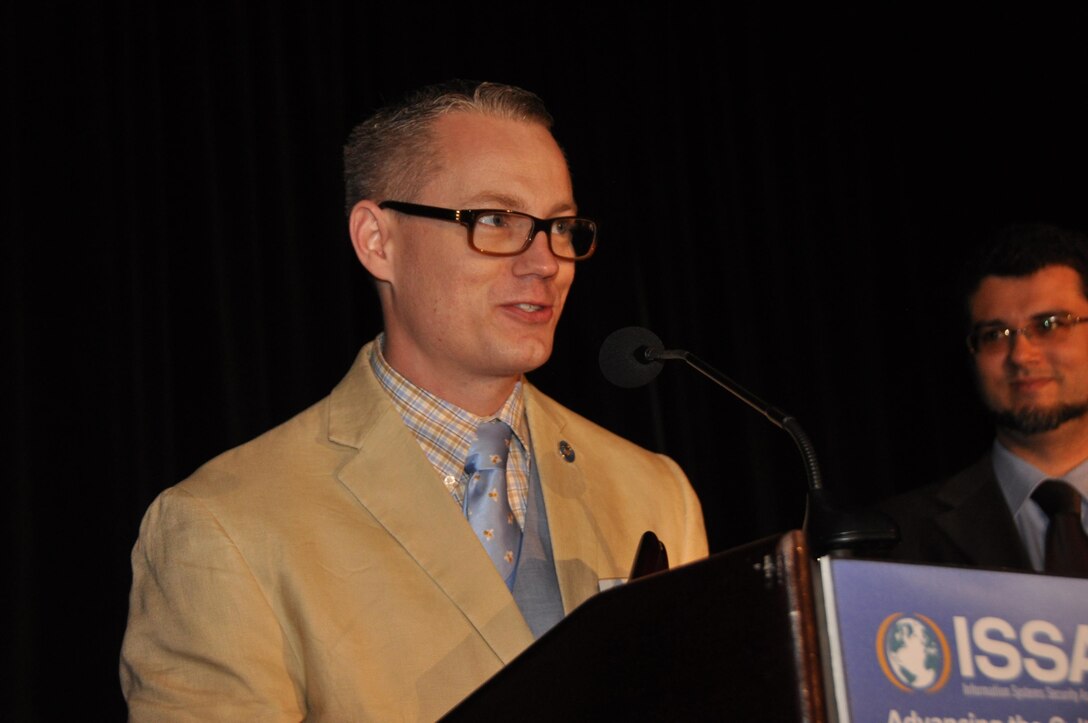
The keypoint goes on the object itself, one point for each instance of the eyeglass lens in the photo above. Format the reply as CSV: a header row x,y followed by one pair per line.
x,y
1043,329
509,233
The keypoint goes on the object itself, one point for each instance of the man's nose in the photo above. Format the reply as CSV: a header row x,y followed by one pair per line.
x,y
538,258
1022,347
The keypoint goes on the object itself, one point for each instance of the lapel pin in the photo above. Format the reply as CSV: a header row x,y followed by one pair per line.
x,y
566,451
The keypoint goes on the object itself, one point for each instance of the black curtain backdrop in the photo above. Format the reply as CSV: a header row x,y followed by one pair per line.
x,y
785,192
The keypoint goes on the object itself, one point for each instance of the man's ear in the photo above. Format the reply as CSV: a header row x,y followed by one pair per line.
x,y
370,236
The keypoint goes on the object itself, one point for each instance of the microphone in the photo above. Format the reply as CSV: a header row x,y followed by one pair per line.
x,y
628,357
631,357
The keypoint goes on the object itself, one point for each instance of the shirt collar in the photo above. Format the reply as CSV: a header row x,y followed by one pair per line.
x,y
413,400
1019,478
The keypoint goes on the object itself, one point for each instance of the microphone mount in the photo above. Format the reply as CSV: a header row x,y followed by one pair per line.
x,y
827,527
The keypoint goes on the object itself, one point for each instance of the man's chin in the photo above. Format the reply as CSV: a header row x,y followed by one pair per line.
x,y
1034,420
527,355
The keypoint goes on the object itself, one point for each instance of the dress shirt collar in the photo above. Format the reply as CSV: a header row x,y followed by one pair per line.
x,y
415,403
1019,478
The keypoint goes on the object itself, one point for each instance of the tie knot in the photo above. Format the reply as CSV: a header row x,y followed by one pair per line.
x,y
1056,497
491,447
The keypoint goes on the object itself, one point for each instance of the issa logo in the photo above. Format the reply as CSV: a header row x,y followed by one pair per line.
x,y
914,652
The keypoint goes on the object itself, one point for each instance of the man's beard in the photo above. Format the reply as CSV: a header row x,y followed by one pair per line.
x,y
1033,420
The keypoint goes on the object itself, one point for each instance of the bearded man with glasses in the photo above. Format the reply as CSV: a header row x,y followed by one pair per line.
x,y
328,569
1027,301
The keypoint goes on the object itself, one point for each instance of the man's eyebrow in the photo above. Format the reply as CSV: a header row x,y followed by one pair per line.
x,y
1034,317
489,199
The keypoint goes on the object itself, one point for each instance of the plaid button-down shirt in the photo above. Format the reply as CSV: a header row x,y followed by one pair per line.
x,y
445,432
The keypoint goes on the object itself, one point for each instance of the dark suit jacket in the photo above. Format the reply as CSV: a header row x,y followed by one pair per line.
x,y
961,521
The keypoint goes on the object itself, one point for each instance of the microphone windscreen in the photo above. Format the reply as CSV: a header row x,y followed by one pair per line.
x,y
621,357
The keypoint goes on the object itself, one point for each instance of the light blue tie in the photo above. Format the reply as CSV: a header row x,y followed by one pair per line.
x,y
485,504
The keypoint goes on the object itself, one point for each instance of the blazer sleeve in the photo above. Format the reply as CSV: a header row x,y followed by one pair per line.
x,y
202,641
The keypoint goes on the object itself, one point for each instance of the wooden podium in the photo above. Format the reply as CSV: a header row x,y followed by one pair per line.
x,y
765,633
733,637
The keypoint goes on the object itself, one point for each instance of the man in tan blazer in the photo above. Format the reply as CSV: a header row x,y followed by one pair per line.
x,y
325,571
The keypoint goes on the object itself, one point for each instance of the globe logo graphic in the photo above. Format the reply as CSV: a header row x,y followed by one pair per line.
x,y
913,652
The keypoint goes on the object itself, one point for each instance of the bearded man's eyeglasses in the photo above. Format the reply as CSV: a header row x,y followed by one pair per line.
x,y
1043,330
508,233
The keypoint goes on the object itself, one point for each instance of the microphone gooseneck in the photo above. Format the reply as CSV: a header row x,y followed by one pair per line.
x,y
631,357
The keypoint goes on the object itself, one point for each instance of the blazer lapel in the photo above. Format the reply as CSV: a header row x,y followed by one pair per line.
x,y
394,481
978,521
567,501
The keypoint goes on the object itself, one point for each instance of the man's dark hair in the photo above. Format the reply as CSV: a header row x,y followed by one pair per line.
x,y
389,155
1022,249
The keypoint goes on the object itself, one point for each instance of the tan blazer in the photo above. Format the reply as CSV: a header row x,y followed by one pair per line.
x,y
323,572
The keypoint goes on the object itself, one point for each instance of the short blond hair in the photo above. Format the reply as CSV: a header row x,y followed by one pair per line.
x,y
390,156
